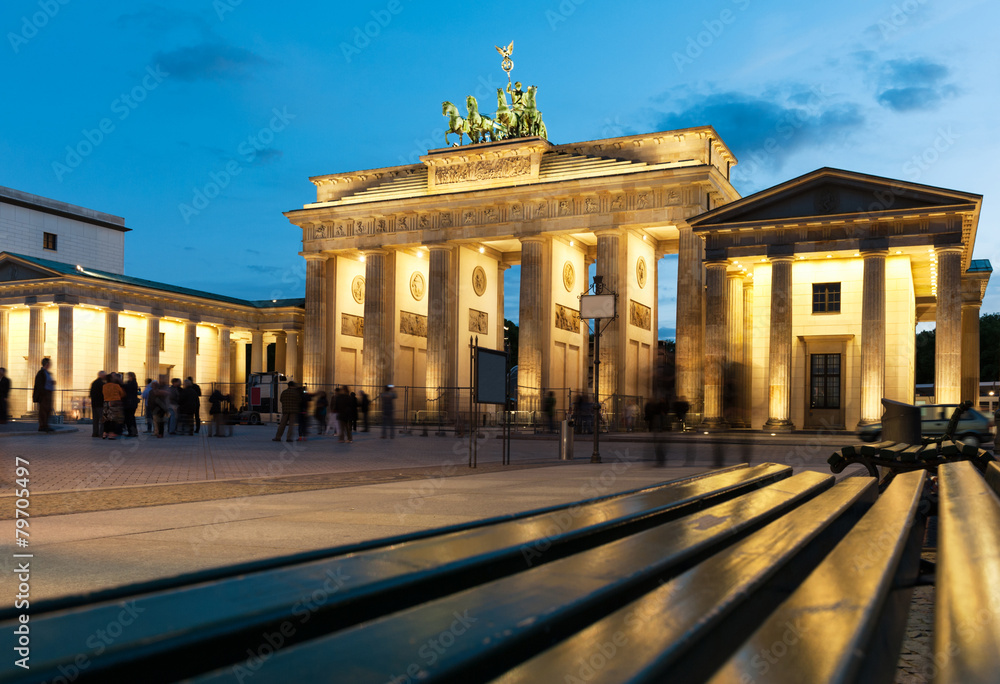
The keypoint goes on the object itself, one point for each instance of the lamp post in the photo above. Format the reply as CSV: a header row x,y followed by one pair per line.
x,y
602,304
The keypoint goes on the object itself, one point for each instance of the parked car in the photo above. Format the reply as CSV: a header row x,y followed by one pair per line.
x,y
974,427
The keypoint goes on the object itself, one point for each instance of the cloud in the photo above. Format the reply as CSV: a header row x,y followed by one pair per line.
x,y
209,61
906,85
267,156
766,129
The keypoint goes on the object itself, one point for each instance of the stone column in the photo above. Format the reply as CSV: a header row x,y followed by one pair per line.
x,y
111,341
153,347
4,339
240,371
690,316
970,352
746,385
64,357
281,352
732,381
441,333
501,267
256,351
377,362
531,320
872,336
314,354
716,341
223,368
609,253
780,370
948,334
293,356
36,346
190,350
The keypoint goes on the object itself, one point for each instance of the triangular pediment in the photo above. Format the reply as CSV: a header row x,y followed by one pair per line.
x,y
831,192
12,268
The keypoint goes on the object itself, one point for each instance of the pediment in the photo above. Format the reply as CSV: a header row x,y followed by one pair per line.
x,y
831,192
15,269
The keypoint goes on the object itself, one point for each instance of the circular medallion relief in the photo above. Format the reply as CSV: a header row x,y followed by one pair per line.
x,y
358,289
569,276
479,280
417,286
640,272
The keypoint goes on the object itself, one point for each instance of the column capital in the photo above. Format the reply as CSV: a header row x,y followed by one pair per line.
x,y
376,251
540,239
717,263
314,256
440,247
949,249
781,258
874,252
969,304
612,231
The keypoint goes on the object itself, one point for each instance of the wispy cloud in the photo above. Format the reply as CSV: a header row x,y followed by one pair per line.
x,y
913,84
210,61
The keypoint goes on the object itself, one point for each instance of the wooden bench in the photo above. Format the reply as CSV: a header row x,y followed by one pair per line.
x,y
746,574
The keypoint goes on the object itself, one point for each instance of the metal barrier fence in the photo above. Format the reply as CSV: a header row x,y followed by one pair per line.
x,y
414,407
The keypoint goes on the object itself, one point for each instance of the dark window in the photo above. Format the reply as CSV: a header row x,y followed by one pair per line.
x,y
824,381
121,337
49,241
197,346
826,297
163,341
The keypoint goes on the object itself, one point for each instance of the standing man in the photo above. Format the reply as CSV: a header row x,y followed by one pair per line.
x,y
147,404
131,403
549,409
365,403
197,409
97,404
291,400
388,408
41,394
4,393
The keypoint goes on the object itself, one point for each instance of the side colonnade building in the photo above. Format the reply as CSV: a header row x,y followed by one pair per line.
x,y
405,264
63,294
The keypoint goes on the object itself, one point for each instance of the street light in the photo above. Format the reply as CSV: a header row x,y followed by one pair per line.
x,y
601,304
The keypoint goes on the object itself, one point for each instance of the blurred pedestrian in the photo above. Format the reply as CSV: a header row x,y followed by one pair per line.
x,y
197,408
187,407
215,410
291,400
131,388
147,404
345,415
113,412
97,404
41,394
388,412
631,415
681,408
4,393
173,404
549,409
306,397
159,398
356,404
364,404
320,411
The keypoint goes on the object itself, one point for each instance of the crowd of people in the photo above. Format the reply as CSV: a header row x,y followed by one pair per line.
x,y
336,415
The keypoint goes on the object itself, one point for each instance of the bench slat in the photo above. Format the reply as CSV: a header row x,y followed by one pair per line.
x,y
679,631
362,585
967,613
845,622
993,476
517,616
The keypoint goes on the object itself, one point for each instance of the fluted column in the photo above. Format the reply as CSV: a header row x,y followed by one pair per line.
x,y
256,351
732,379
501,267
314,354
4,338
872,336
153,347
64,356
948,332
609,253
531,320
441,333
281,352
223,368
377,365
36,345
293,357
111,341
690,302
970,352
716,342
190,350
746,385
780,370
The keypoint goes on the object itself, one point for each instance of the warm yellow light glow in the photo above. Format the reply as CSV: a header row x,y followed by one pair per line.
x,y
643,238
801,257
362,258
482,250
570,243
829,256
898,252
857,254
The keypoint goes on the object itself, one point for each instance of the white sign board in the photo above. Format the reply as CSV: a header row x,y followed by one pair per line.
x,y
597,306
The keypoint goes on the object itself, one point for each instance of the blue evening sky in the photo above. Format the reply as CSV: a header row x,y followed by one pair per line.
x,y
188,92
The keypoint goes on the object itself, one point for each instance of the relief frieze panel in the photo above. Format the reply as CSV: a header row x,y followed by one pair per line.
x,y
352,326
567,319
412,324
487,169
640,315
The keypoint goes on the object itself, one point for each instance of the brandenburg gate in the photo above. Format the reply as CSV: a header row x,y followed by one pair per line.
x,y
405,263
